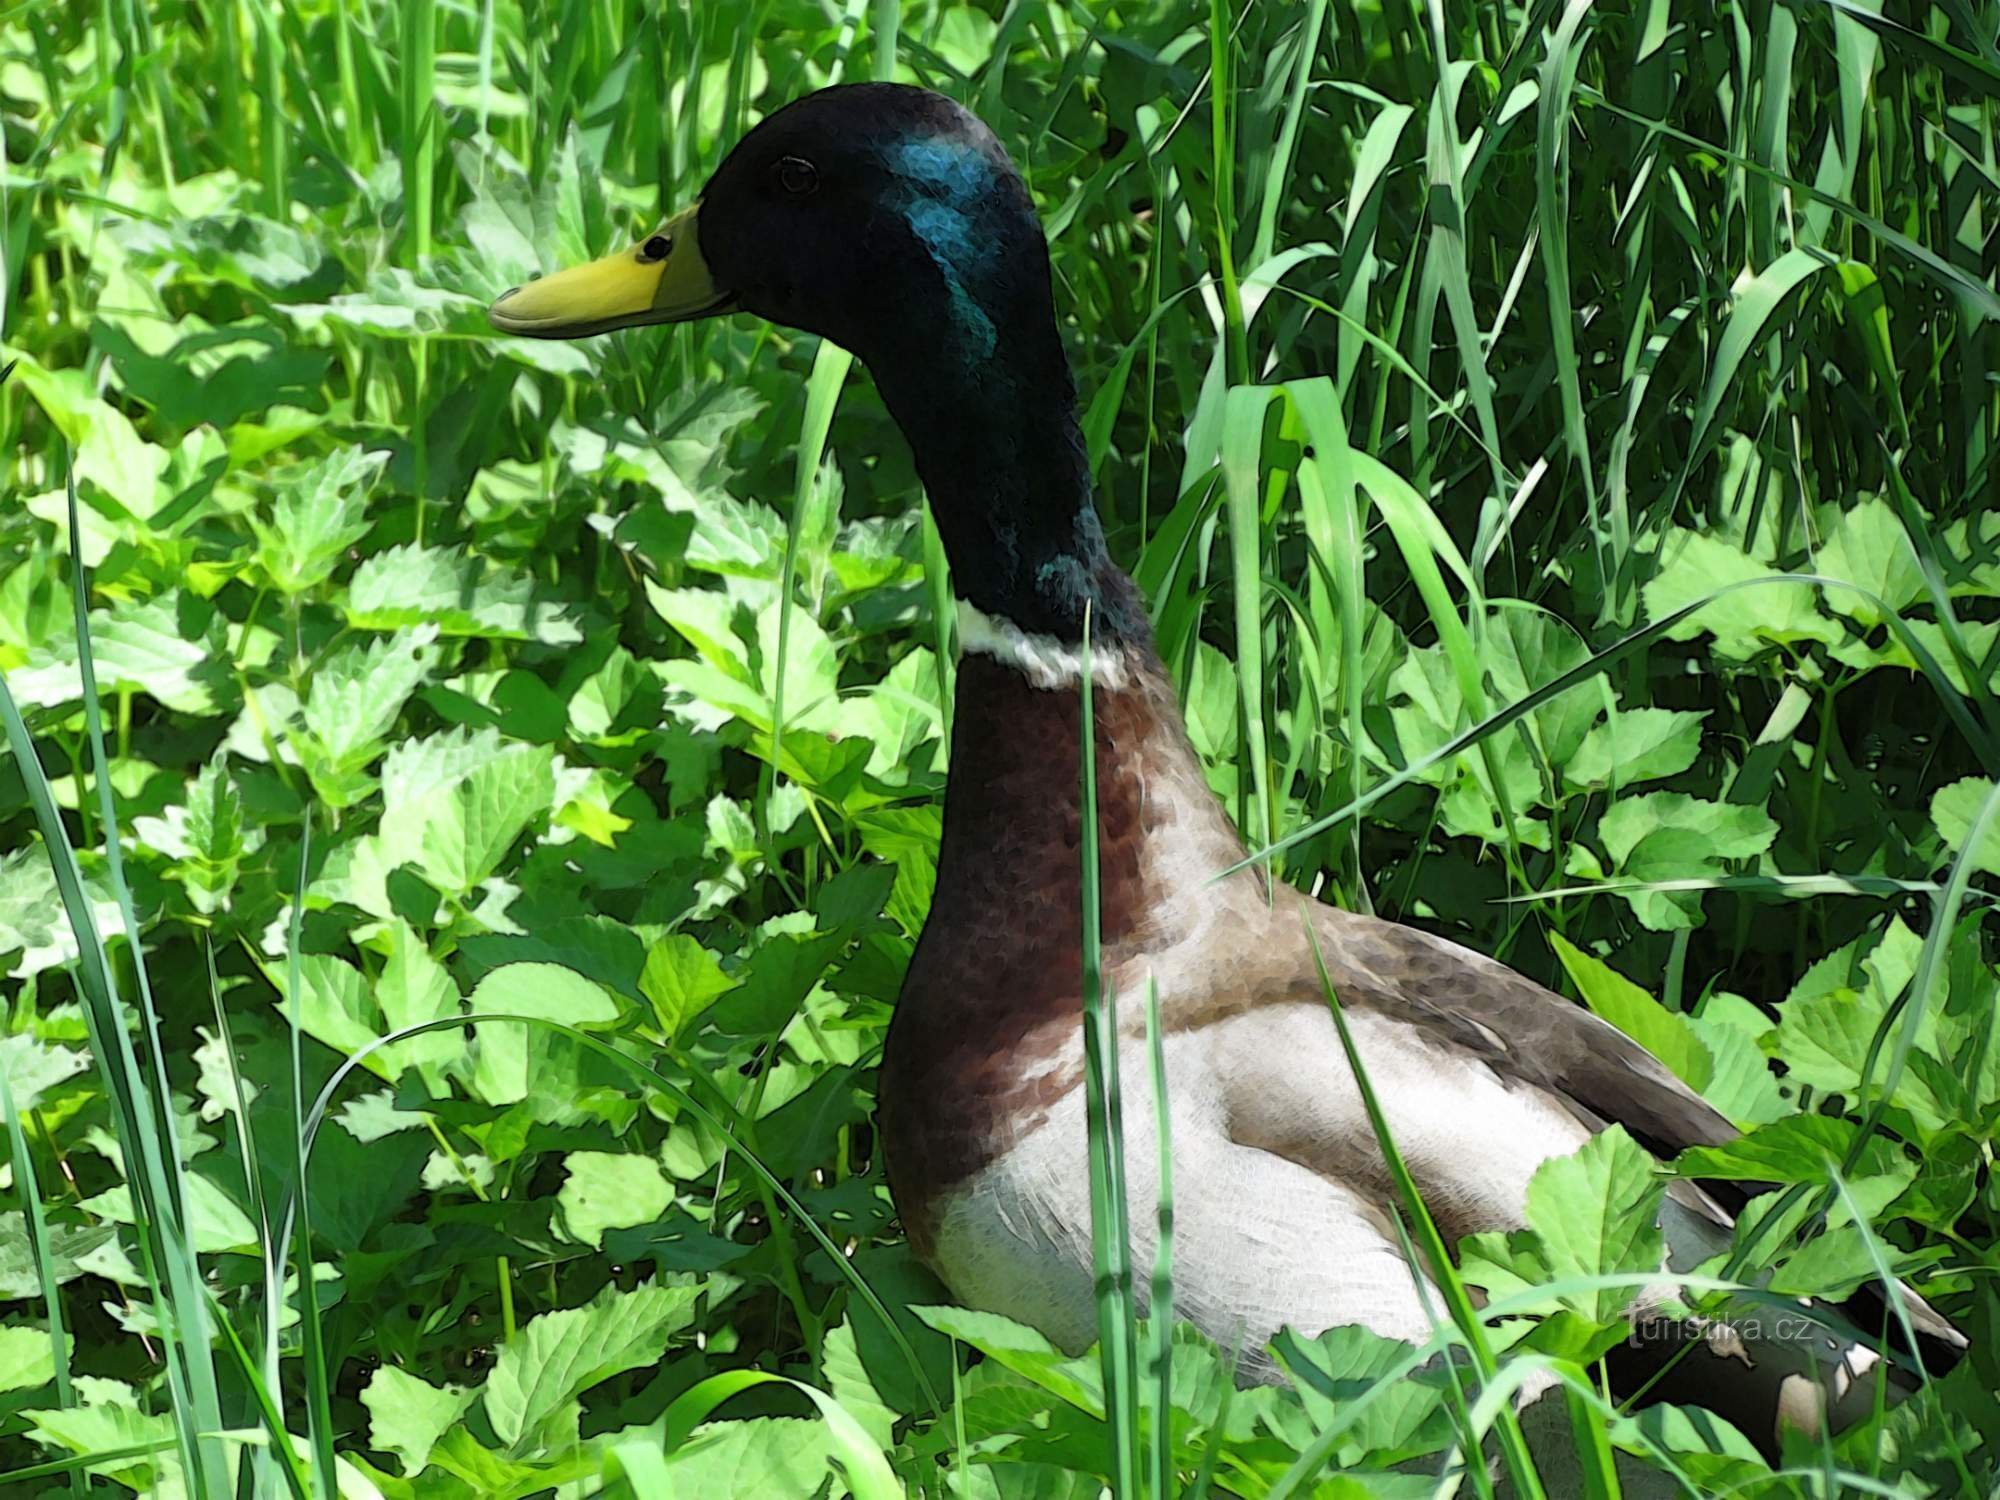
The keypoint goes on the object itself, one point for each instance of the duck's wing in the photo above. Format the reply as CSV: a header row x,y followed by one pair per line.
x,y
1467,1002
1484,1075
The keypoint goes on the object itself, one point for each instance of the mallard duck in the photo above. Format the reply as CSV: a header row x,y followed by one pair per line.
x,y
889,219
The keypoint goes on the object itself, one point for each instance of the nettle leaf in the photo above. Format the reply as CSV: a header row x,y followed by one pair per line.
x,y
735,538
1868,546
1635,745
1742,1086
1525,647
70,1246
354,701
848,1382
1664,1033
34,1067
137,648
898,715
216,1222
109,453
557,1356
1333,1370
320,511
468,831
407,1416
1597,1212
610,1190
110,1421
334,1004
704,619
455,593
1798,1149
1825,1040
414,988
217,836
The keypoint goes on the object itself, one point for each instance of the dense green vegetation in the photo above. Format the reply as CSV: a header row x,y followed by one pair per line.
x,y
1558,443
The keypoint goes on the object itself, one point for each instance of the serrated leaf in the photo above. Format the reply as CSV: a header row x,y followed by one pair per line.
x,y
1744,622
1868,547
556,1357
762,1458
682,979
321,509
136,648
1636,745
1022,1350
501,1073
469,831
215,1220
27,1358
453,592
610,1190
407,1416
34,1067
1953,810
1597,1212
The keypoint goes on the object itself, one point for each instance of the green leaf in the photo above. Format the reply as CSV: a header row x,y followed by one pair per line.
x,y
352,705
1869,547
69,1247
217,1223
1636,745
501,1072
454,593
320,511
848,1383
1798,1149
762,1458
1742,1084
110,1420
1727,830
27,1358
1597,1212
1824,1040
137,648
1745,622
559,1355
1953,811
469,831
682,979
414,988
1664,1033
610,1190
1668,836
406,1415
33,1068
334,1003
1023,1351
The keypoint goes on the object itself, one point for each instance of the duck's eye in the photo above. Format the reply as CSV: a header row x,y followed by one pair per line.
x,y
797,176
657,247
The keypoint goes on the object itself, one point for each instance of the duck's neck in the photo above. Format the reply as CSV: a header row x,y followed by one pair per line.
x,y
997,445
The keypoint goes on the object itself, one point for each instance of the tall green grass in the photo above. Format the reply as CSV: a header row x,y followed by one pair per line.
x,y
1457,325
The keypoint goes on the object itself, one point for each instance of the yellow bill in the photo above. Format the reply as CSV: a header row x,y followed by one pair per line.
x,y
662,279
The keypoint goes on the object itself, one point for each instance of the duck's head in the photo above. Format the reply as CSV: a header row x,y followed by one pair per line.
x,y
881,216
890,220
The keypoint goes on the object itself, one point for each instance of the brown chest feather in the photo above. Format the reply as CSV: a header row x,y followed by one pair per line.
x,y
990,1007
